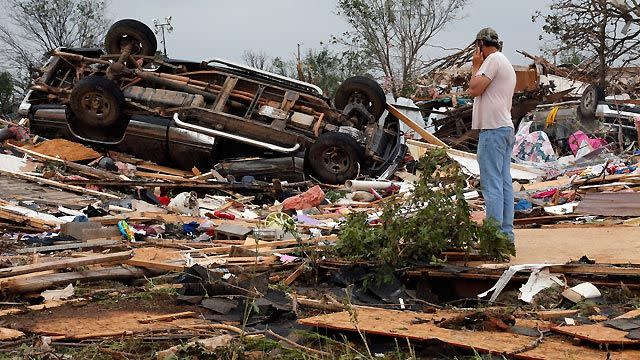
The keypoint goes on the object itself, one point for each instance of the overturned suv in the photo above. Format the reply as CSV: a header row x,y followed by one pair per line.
x,y
202,113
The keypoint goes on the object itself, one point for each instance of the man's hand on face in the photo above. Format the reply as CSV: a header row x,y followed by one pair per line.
x,y
478,59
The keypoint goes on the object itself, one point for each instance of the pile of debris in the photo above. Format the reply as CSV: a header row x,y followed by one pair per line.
x,y
120,250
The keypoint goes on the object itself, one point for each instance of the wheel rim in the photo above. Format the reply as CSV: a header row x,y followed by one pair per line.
x,y
136,44
589,98
359,98
336,160
96,105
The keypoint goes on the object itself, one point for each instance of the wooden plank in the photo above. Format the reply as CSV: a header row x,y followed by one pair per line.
x,y
598,270
156,265
542,185
296,274
597,334
44,282
9,213
21,190
264,244
610,204
606,245
167,177
88,170
83,245
60,185
607,179
543,219
229,83
64,263
403,324
7,334
429,137
169,317
163,169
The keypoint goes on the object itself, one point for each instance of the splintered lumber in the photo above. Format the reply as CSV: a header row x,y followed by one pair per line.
x,y
44,282
597,334
169,317
296,274
263,244
151,175
65,263
164,169
404,324
10,334
82,245
610,204
88,170
57,184
156,265
153,258
22,215
429,137
48,305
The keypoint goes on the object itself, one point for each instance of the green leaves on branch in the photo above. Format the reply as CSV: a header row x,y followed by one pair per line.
x,y
434,219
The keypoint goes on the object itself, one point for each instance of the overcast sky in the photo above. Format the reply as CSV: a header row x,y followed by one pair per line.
x,y
206,29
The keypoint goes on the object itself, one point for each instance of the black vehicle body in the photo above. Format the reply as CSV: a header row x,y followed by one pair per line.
x,y
189,114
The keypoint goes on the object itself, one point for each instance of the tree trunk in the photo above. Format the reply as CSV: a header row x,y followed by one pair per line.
x,y
602,49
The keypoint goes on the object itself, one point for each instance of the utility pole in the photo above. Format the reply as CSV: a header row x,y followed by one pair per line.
x,y
160,29
299,65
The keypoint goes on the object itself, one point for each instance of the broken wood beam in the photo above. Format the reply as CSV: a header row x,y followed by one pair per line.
x,y
429,137
156,265
403,324
169,317
263,244
59,185
87,170
81,245
44,282
296,274
22,215
64,264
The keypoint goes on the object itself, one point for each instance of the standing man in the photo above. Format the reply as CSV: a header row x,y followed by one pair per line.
x,y
493,81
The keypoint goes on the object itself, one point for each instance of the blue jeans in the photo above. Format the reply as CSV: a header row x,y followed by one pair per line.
x,y
494,157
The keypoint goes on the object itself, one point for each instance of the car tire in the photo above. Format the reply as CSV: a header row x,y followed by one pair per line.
x,y
144,39
591,96
361,89
97,109
335,157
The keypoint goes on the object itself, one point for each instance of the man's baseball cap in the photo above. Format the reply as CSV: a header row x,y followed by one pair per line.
x,y
489,35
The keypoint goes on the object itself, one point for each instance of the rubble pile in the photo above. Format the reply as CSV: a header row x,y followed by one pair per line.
x,y
344,229
116,248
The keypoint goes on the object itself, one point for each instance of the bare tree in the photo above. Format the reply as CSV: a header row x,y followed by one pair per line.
x,y
6,92
32,28
257,59
604,32
393,33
